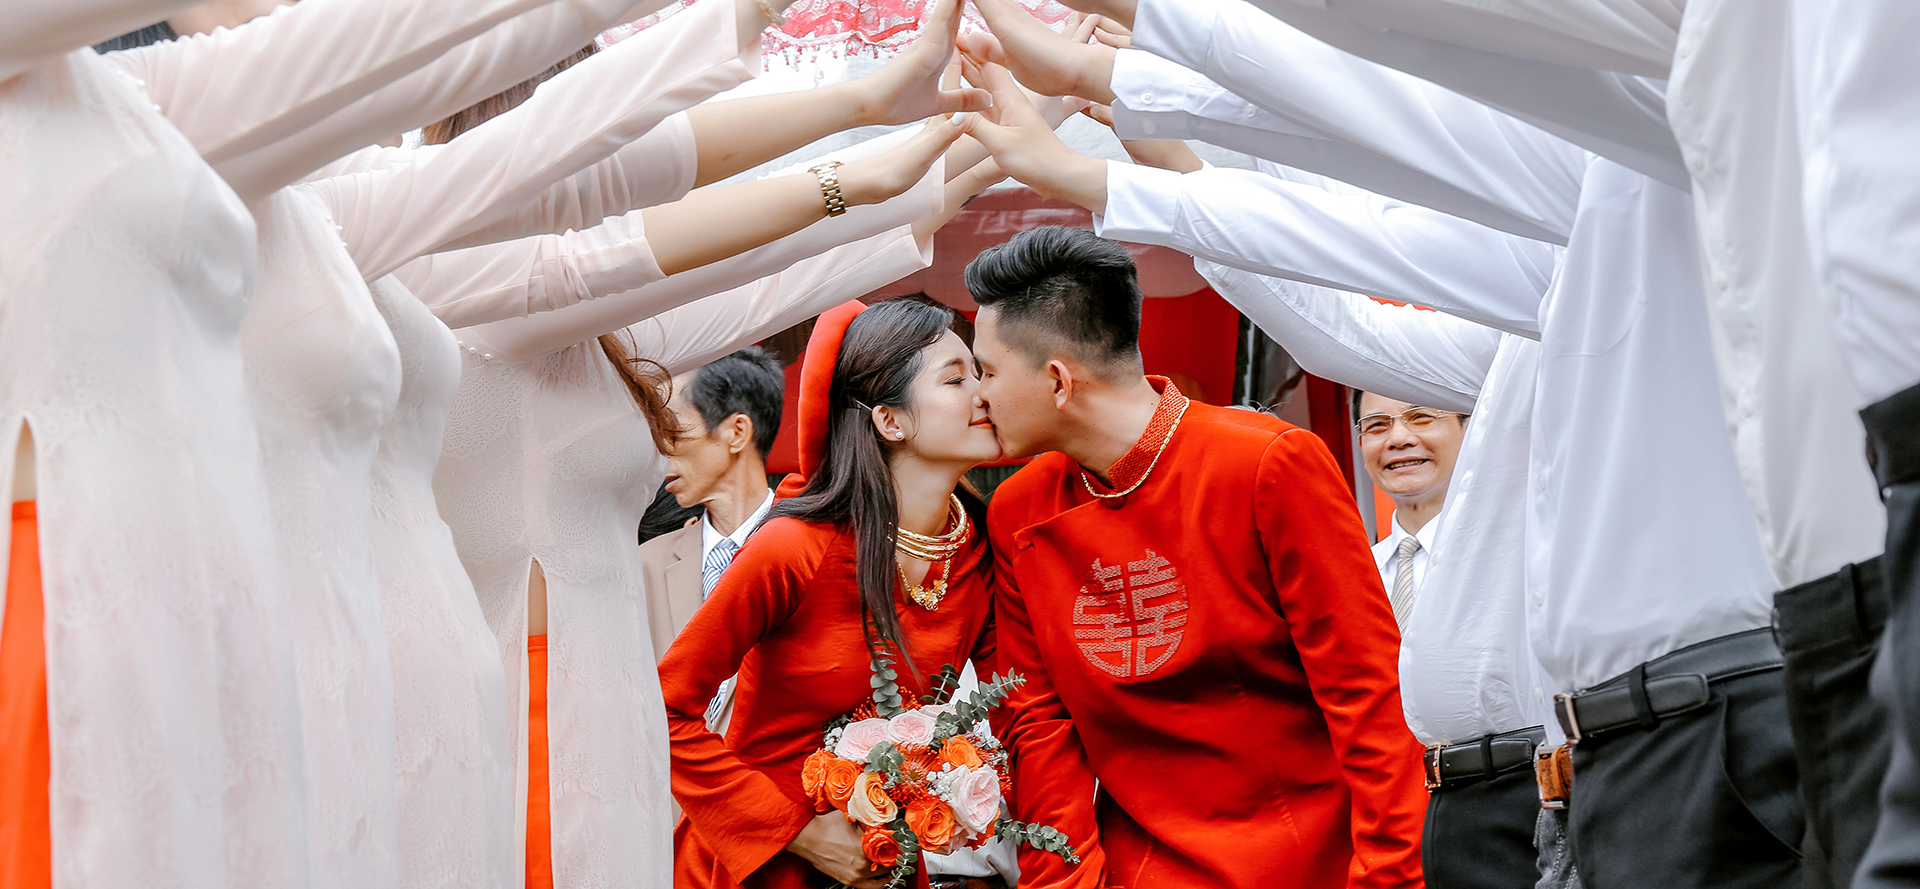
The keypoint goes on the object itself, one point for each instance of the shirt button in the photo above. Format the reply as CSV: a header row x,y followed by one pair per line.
x,y
1146,98
1719,279
1146,126
1537,696
1696,163
1251,111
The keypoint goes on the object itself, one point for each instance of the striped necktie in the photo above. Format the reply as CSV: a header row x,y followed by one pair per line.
x,y
1402,597
716,562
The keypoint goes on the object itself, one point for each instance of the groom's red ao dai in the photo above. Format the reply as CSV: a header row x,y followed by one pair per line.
x,y
1215,649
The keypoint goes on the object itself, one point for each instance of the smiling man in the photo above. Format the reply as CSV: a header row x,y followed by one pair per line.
x,y
1409,451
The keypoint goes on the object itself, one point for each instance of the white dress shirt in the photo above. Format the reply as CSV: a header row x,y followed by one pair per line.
x,y
1863,196
710,536
1790,403
1619,116
1386,552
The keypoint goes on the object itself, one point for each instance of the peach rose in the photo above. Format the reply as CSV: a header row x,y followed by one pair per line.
x,y
911,727
932,822
870,804
878,844
960,752
976,799
859,738
840,780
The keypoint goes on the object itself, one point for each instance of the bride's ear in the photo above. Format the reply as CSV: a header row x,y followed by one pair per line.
x,y
887,422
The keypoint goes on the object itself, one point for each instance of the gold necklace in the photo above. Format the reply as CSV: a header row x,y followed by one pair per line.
x,y
940,548
1088,481
927,597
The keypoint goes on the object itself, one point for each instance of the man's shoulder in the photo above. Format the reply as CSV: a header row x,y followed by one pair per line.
x,y
1032,488
661,551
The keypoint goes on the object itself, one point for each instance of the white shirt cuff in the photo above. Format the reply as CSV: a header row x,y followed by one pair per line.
x,y
1143,204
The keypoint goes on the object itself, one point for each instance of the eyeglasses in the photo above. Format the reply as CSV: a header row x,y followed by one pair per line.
x,y
1416,419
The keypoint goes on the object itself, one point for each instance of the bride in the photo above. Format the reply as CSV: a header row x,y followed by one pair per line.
x,y
879,548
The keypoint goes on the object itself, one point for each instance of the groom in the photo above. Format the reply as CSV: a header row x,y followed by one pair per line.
x,y
1189,592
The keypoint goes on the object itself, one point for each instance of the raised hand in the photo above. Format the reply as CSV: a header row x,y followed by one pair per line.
x,y
887,175
908,87
1023,143
1050,63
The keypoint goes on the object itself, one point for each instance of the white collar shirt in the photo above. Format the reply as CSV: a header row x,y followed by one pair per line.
x,y
710,536
1386,552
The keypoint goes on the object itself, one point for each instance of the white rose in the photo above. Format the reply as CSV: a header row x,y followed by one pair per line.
x,y
912,727
976,799
859,739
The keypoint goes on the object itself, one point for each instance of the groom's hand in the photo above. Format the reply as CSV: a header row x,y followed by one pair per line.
x,y
1023,143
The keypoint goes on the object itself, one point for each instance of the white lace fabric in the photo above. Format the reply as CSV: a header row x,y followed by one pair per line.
x,y
124,269
455,793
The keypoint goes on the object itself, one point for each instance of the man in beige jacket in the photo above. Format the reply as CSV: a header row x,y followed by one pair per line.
x,y
729,410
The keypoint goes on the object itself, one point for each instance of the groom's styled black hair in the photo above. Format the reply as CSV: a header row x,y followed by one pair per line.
x,y
1063,291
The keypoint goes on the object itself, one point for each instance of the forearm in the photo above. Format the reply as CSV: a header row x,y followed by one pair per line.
x,y
740,134
1354,242
1401,352
576,119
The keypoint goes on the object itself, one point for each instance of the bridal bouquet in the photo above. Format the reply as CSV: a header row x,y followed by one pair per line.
x,y
920,776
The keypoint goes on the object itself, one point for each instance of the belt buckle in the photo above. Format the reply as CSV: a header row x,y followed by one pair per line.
x,y
1569,723
1431,759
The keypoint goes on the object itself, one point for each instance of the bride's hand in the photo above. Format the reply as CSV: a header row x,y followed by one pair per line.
x,y
831,844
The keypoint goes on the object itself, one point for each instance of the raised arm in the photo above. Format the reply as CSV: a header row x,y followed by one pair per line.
x,y
1402,352
1305,104
389,216
42,29
1354,242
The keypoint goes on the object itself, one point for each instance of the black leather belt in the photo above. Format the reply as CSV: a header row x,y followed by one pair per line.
x,y
1451,765
1665,686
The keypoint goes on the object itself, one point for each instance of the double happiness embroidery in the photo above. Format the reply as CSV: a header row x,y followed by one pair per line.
x,y
1129,619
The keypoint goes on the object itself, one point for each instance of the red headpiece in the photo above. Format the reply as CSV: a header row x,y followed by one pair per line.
x,y
816,391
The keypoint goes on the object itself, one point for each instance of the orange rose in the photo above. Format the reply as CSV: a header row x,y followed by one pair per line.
x,y
813,780
960,752
839,782
932,822
878,844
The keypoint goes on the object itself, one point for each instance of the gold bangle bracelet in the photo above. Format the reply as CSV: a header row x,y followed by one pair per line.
x,y
778,19
829,176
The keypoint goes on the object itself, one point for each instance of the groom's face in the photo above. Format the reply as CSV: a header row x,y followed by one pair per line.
x,y
1018,395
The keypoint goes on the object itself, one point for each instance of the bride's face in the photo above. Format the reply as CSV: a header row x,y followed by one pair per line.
x,y
948,423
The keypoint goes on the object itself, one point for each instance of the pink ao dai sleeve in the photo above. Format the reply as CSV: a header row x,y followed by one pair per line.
x,y
272,100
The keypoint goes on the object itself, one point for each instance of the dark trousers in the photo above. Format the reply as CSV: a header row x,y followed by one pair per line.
x,y
1707,798
1893,433
1829,632
1480,835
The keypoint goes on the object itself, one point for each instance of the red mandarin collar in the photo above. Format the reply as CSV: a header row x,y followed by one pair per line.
x,y
1132,467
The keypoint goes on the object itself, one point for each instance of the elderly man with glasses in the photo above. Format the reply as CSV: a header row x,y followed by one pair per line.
x,y
1409,452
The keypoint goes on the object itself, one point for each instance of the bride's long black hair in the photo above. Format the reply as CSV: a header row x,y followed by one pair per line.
x,y
853,486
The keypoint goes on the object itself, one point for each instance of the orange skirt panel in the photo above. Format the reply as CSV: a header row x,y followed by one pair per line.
x,y
539,801
26,843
